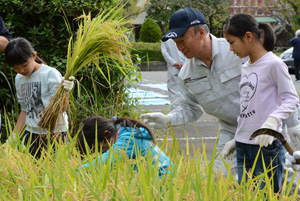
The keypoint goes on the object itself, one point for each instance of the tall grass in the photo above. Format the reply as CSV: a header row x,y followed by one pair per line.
x,y
58,176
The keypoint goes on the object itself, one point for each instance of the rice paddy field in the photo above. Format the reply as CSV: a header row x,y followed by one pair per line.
x,y
60,176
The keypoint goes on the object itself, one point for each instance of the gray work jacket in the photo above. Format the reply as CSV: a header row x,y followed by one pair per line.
x,y
216,91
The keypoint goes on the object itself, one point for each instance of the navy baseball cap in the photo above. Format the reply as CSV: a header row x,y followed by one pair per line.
x,y
181,20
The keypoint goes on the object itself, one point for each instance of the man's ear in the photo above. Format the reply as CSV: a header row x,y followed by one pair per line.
x,y
201,32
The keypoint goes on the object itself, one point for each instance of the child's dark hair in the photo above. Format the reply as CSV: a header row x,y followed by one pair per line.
x,y
106,129
18,51
241,23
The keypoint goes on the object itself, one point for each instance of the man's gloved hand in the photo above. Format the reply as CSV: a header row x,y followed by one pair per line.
x,y
294,133
290,161
68,84
265,140
155,120
229,149
11,138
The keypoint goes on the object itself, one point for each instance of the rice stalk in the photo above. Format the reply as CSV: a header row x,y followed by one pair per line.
x,y
102,37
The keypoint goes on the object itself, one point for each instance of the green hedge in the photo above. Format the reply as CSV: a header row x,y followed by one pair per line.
x,y
147,51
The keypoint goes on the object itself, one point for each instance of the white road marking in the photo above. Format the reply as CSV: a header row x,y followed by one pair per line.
x,y
190,138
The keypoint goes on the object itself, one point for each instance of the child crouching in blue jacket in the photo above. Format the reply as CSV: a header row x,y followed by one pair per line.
x,y
129,135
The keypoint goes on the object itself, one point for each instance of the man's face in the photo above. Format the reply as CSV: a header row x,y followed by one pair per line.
x,y
188,44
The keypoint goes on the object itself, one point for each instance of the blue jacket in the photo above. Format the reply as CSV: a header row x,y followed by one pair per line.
x,y
295,42
134,143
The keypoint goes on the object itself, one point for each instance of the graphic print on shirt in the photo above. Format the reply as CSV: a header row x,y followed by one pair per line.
x,y
248,88
31,94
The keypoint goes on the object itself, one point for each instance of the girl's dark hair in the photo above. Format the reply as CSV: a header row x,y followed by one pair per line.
x,y
18,51
106,129
241,23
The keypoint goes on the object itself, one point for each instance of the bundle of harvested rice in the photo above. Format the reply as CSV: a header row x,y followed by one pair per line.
x,y
102,37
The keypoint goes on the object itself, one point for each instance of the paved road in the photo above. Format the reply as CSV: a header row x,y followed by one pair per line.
x,y
201,133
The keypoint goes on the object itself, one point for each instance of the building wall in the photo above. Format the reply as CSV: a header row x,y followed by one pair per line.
x,y
258,8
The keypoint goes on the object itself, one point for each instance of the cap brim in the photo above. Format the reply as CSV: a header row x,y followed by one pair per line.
x,y
174,33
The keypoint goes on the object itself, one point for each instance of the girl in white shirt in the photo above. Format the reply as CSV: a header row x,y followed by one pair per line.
x,y
267,96
35,84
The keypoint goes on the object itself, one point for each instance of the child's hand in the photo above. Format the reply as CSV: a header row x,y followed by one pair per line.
x,y
290,161
265,140
68,84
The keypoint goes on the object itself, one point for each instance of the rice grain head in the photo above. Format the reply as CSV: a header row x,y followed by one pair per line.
x,y
102,37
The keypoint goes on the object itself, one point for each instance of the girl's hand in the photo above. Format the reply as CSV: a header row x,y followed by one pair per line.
x,y
68,84
266,140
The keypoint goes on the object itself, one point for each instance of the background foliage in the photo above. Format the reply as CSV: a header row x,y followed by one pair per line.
x,y
215,11
150,31
147,51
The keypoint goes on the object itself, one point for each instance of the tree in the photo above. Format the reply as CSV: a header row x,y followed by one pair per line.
x,y
150,31
215,11
285,11
133,8
161,10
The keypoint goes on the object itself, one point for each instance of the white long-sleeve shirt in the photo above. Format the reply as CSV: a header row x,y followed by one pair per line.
x,y
34,93
266,89
172,56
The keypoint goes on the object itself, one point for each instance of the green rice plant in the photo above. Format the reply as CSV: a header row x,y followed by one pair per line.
x,y
59,175
102,38
8,83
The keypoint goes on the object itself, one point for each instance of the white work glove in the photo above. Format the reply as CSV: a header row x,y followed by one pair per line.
x,y
290,161
229,149
294,133
155,120
68,84
266,140
11,138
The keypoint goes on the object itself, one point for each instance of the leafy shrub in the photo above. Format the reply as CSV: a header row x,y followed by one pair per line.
x,y
150,31
94,96
42,23
147,51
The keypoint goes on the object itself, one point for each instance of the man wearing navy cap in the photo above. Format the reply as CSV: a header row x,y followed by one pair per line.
x,y
209,81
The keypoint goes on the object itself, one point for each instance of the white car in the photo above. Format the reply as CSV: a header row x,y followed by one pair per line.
x,y
287,58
